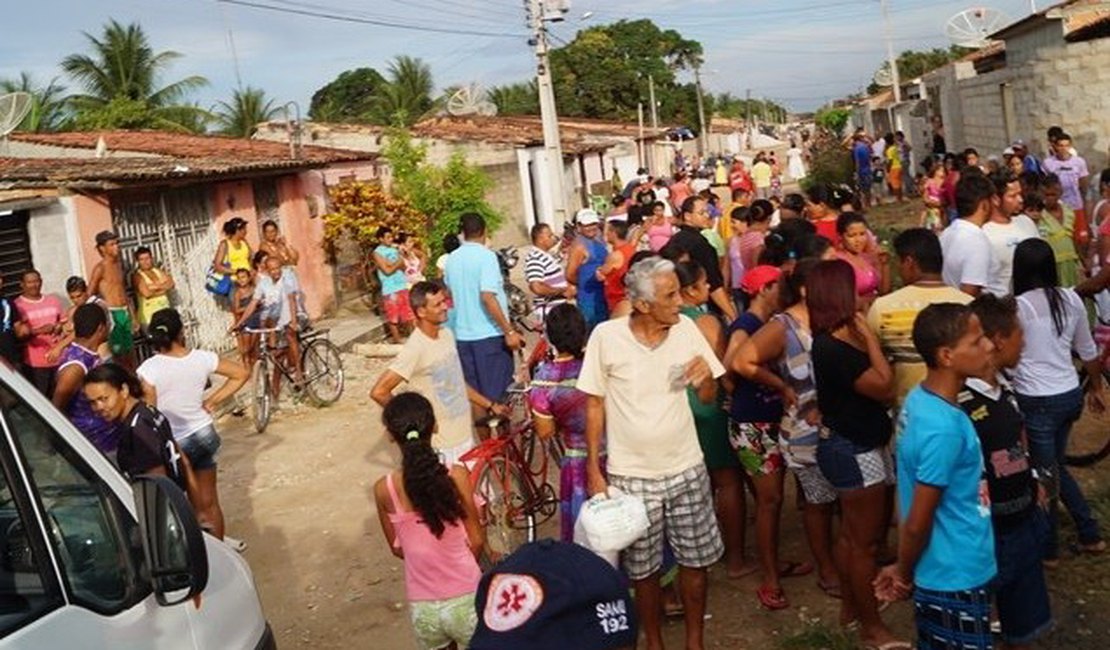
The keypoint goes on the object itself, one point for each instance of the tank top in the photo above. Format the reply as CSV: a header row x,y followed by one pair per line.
x,y
238,257
102,433
591,293
614,281
435,569
712,417
149,306
658,236
795,366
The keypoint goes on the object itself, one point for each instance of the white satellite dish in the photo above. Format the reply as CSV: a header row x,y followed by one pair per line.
x,y
883,77
13,108
973,27
470,100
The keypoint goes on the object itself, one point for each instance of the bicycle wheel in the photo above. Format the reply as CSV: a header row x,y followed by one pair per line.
x,y
323,369
1087,444
262,400
500,487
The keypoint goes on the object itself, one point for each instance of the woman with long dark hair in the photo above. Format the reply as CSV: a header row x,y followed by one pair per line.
x,y
428,515
854,385
174,381
1055,324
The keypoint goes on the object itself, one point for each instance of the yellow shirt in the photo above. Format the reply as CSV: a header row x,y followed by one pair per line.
x,y
238,257
891,319
761,174
894,157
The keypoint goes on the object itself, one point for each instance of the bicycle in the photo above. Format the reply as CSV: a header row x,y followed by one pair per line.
x,y
321,363
510,476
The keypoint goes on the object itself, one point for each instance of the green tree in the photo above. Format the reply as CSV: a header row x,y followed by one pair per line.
x,y
833,119
516,99
347,98
247,109
48,103
407,96
914,63
442,194
121,80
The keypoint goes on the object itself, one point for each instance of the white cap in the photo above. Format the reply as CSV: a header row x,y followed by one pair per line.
x,y
1008,151
587,217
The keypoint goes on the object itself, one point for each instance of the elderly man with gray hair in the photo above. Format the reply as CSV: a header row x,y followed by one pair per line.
x,y
635,375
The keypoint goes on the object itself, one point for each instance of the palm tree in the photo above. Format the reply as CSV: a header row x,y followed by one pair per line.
x,y
408,95
249,107
48,105
121,79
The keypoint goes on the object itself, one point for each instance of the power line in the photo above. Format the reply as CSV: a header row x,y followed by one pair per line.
x,y
366,21
483,21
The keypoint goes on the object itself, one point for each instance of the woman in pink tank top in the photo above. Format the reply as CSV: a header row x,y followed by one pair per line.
x,y
430,521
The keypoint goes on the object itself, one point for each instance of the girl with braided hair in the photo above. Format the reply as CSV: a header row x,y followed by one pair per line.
x,y
429,518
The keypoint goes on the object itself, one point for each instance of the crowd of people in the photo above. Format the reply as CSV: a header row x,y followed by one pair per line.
x,y
699,351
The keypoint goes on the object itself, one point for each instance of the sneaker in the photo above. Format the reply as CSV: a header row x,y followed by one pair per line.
x,y
237,544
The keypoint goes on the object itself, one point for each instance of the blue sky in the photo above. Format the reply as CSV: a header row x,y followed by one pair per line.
x,y
799,52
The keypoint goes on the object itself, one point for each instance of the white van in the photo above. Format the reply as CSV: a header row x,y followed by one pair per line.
x,y
88,561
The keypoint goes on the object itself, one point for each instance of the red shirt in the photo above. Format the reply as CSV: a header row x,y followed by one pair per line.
x,y
614,281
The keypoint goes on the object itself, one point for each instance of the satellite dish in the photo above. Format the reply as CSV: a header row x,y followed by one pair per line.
x,y
973,27
13,108
883,76
470,100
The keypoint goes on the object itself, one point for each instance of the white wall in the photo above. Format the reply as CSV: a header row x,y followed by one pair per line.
x,y
54,247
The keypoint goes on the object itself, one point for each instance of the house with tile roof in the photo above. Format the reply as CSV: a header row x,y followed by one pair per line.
x,y
170,192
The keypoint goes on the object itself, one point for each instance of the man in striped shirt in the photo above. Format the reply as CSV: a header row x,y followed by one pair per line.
x,y
545,276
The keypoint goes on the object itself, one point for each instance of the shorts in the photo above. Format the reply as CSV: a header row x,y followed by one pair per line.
x,y
1020,591
815,487
757,446
396,308
894,179
711,424
849,466
42,378
487,366
679,508
120,340
201,447
865,179
438,623
953,619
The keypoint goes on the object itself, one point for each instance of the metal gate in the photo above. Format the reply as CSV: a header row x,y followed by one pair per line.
x,y
177,226
15,251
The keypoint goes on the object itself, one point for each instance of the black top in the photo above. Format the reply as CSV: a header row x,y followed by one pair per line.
x,y
146,442
9,345
753,401
837,365
999,425
689,239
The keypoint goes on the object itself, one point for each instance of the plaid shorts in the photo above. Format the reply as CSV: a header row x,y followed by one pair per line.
x,y
953,620
815,487
679,507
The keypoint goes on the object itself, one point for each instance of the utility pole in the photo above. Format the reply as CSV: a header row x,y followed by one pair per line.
x,y
748,119
651,97
551,143
640,124
891,61
702,134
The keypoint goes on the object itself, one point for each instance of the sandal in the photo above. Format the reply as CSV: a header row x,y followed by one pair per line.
x,y
771,598
795,569
1094,548
889,645
831,589
742,573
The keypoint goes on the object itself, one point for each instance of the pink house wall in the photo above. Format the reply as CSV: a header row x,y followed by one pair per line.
x,y
93,216
236,199
303,202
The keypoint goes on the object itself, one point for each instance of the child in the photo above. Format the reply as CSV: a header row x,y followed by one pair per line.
x,y
414,257
241,298
946,545
429,518
933,196
1059,227
878,180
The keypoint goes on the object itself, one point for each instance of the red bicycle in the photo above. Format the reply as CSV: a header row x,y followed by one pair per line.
x,y
511,473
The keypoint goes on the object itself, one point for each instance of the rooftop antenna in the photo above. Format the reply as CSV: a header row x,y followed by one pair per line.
x,y
293,125
883,76
973,27
13,108
471,99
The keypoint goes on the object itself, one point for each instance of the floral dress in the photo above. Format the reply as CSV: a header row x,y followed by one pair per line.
x,y
555,395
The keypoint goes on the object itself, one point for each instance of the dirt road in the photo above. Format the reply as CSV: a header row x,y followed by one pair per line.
x,y
299,495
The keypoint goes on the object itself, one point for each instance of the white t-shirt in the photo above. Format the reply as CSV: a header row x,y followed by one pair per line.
x,y
180,382
1046,367
1004,238
432,368
648,423
967,254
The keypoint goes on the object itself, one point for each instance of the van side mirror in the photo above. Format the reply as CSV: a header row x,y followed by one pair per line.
x,y
173,543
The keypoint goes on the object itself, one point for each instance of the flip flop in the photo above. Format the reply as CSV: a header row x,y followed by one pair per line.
x,y
795,569
674,611
832,590
1095,548
771,598
743,573
889,645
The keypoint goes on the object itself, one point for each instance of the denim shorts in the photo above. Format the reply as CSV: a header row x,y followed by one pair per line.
x,y
1020,590
849,466
201,447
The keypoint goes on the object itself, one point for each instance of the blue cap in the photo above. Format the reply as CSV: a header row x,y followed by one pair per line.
x,y
551,595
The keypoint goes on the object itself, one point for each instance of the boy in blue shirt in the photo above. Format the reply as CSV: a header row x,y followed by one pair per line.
x,y
946,545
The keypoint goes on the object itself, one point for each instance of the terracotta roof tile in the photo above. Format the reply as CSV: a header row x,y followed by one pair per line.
x,y
51,172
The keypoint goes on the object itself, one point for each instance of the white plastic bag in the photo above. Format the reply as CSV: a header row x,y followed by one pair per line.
x,y
608,525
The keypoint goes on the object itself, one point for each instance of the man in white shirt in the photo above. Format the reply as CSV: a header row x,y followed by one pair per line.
x,y
967,251
635,375
429,362
1006,228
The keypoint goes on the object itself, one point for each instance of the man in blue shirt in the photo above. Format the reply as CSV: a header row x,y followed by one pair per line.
x,y
946,545
485,337
861,154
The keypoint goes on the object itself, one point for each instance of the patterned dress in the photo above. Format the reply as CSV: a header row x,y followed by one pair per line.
x,y
554,395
